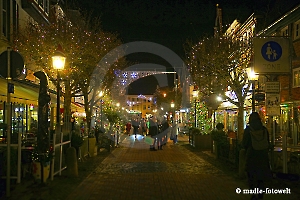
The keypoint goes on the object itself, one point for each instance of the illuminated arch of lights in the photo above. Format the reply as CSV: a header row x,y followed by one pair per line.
x,y
125,78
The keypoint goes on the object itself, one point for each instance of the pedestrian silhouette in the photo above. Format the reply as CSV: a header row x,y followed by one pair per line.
x,y
256,143
274,55
269,51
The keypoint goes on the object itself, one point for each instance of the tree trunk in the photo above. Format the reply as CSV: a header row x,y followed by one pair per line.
x,y
67,107
87,110
240,132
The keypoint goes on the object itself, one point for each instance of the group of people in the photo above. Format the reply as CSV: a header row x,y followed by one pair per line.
x,y
159,131
156,129
136,126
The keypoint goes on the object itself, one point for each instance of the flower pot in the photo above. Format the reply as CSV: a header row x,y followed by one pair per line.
x,y
37,171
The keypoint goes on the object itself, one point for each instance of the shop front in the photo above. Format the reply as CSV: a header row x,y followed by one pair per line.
x,y
24,108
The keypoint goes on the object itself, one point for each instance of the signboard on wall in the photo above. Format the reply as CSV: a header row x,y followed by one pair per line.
x,y
272,55
272,104
272,87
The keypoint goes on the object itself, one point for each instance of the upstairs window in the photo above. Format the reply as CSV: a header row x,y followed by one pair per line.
x,y
296,77
297,30
285,31
8,25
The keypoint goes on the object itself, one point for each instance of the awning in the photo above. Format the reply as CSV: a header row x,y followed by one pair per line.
x,y
23,94
29,94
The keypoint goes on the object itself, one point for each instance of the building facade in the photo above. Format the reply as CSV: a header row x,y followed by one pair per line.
x,y
285,26
140,105
24,99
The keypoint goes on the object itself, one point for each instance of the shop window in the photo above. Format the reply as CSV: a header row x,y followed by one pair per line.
x,y
296,77
1,113
297,30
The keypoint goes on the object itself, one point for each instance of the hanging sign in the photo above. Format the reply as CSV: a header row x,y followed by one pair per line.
x,y
272,55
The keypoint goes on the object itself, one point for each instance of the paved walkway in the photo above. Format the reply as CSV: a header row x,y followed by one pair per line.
x,y
134,172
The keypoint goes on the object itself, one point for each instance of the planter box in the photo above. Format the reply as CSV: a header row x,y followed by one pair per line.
x,y
202,142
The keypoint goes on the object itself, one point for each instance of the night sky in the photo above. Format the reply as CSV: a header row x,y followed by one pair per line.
x,y
167,22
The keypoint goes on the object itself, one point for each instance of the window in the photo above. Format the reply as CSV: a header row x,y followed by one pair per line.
x,y
43,5
5,20
296,77
297,30
285,31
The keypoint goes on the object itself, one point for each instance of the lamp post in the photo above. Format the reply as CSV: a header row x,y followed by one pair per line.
x,y
252,77
118,130
195,95
58,63
101,114
172,109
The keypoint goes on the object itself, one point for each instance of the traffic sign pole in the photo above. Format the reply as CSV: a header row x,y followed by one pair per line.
x,y
8,124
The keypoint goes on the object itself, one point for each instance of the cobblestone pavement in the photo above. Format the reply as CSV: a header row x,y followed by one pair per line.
x,y
132,172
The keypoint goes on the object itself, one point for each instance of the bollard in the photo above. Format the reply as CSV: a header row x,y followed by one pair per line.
x,y
242,162
71,158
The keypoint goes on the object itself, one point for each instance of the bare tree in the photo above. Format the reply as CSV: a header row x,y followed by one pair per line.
x,y
218,65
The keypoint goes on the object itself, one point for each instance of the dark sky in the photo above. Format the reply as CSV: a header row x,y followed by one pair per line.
x,y
168,22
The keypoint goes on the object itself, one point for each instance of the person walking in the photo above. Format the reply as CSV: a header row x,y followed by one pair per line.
x,y
128,128
175,132
256,144
153,131
143,126
162,136
135,124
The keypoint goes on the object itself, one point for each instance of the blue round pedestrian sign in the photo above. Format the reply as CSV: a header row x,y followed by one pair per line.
x,y
271,51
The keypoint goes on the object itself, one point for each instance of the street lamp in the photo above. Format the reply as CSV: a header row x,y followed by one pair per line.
x,y
101,114
58,63
172,108
195,95
252,77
